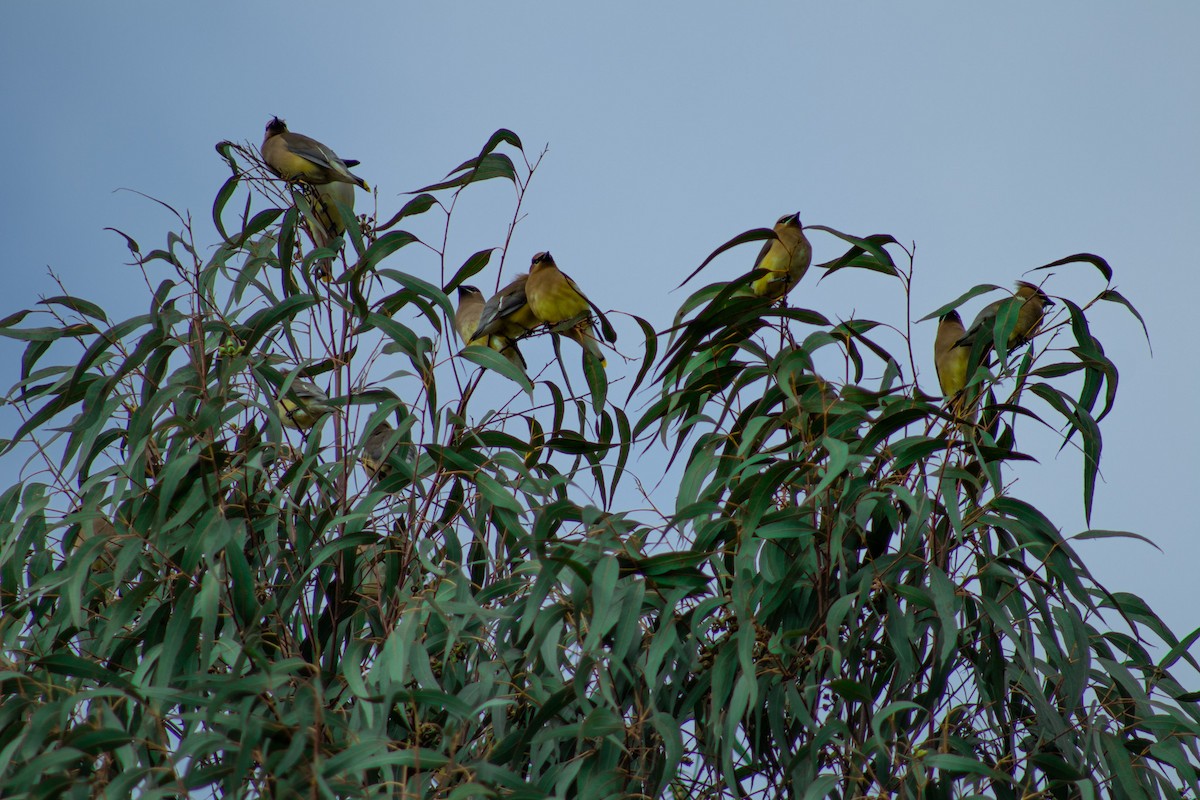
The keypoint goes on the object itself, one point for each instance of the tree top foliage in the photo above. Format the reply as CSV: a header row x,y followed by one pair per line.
x,y
282,535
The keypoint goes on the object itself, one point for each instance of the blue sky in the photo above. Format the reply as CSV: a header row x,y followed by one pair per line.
x,y
998,138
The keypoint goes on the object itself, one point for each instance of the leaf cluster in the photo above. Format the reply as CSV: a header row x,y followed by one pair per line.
x,y
844,598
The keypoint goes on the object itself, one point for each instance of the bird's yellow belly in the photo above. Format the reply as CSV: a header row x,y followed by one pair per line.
x,y
558,305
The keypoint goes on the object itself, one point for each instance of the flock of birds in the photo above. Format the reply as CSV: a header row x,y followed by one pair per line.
x,y
547,296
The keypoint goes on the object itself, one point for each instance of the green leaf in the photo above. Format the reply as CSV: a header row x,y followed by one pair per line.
x,y
421,288
821,787
490,359
947,606
865,253
77,305
472,266
851,690
384,246
754,235
1113,296
223,195
1103,534
74,666
265,320
597,380
134,249
485,167
975,291
496,493
255,226
418,205
956,764
1081,258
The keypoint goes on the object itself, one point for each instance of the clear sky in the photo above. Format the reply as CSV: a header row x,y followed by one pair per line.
x,y
997,137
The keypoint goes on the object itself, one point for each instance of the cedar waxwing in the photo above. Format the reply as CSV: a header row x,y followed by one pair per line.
x,y
295,157
104,557
373,457
154,459
507,313
554,298
309,406
103,528
466,316
333,210
466,322
952,361
1033,302
786,259
371,562
328,203
949,357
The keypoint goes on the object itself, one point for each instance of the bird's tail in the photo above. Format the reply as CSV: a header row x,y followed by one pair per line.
x,y
965,406
508,348
585,334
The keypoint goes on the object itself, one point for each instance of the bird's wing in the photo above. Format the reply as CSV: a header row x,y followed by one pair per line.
x,y
311,395
766,248
606,327
508,348
985,318
315,152
498,307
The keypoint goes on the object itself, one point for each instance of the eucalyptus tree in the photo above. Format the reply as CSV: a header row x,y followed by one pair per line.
x,y
833,593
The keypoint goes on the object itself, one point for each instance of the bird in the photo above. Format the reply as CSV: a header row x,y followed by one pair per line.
x,y
507,313
296,157
332,209
1033,306
466,316
785,258
374,455
466,322
952,361
554,298
331,203
309,405
949,356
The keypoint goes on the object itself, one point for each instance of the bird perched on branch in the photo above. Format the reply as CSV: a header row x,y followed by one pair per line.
x,y
1033,303
952,361
507,313
554,298
307,407
471,310
333,207
332,211
949,356
785,258
466,316
375,450
296,157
